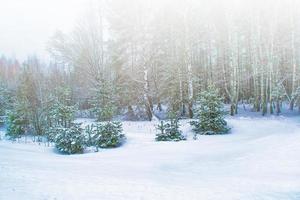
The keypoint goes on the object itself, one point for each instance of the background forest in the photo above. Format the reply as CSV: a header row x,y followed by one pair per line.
x,y
142,59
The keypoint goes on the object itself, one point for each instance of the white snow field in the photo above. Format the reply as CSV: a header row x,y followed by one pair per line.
x,y
259,160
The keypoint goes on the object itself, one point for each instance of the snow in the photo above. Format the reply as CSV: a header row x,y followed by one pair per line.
x,y
260,159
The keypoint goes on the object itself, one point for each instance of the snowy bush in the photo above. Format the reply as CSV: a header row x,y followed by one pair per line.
x,y
210,114
105,135
68,140
169,131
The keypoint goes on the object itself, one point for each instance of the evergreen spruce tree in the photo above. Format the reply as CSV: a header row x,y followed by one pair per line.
x,y
67,136
16,126
18,120
210,114
105,135
4,102
278,96
103,102
5,99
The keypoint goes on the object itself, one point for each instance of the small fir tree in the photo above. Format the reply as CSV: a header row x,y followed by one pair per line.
x,y
69,140
210,114
169,131
105,135
278,96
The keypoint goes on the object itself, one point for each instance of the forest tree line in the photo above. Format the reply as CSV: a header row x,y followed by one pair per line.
x,y
138,58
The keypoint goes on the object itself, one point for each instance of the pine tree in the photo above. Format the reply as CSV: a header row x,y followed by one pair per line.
x,y
62,111
69,140
169,131
210,114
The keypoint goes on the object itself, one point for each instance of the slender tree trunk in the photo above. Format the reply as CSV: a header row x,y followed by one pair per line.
x,y
182,106
293,95
147,99
190,91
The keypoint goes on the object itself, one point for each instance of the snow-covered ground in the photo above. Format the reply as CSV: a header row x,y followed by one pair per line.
x,y
259,160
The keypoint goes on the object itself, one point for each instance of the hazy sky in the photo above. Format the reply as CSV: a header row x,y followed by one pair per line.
x,y
26,25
